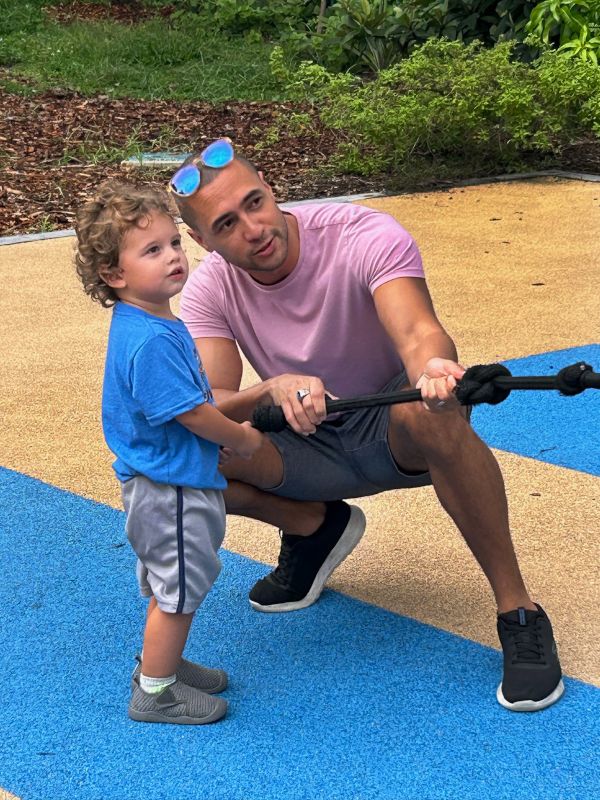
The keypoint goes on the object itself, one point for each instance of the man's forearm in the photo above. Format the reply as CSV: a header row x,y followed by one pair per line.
x,y
435,345
240,405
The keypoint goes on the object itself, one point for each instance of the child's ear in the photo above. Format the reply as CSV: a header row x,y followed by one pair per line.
x,y
113,278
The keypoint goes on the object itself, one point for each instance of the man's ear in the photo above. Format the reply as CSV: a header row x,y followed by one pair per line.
x,y
113,278
263,181
198,239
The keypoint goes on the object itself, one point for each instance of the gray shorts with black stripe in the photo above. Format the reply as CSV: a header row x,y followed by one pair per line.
x,y
176,533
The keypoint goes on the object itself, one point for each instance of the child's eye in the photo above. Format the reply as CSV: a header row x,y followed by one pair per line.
x,y
176,242
154,249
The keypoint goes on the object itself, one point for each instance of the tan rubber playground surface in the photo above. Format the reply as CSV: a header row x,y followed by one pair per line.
x,y
484,247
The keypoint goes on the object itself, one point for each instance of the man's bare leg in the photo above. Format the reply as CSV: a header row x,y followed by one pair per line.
x,y
245,496
297,517
305,561
469,485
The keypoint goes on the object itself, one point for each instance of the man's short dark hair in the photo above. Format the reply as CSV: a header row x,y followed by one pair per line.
x,y
207,175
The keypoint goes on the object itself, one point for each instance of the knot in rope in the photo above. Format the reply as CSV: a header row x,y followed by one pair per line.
x,y
568,380
476,385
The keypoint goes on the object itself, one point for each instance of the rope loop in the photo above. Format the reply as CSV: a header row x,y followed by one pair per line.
x,y
568,380
476,385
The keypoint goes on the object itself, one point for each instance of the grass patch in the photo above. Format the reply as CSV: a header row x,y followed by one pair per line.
x,y
151,60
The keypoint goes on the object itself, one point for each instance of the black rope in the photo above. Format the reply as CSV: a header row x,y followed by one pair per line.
x,y
477,385
483,383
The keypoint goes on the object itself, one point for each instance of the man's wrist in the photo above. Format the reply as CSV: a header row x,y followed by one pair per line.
x,y
265,389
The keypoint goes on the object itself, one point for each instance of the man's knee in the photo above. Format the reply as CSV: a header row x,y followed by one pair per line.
x,y
263,471
414,432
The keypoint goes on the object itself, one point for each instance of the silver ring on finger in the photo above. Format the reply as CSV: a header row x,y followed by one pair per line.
x,y
301,394
441,403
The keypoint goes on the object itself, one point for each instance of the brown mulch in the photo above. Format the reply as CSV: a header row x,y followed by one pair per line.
x,y
124,12
48,143
54,145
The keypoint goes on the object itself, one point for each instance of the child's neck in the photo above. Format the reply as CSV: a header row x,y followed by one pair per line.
x,y
162,310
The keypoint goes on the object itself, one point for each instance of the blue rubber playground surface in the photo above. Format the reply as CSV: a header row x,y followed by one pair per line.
x,y
545,425
341,701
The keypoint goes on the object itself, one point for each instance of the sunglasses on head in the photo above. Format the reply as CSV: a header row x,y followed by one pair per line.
x,y
186,181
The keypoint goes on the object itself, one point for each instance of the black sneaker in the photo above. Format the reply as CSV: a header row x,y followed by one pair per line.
x,y
306,562
532,675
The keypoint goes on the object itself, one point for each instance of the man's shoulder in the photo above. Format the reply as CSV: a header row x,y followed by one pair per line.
x,y
321,215
360,226
210,271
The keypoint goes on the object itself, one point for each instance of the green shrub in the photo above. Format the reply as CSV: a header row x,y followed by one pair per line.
x,y
370,35
572,25
449,102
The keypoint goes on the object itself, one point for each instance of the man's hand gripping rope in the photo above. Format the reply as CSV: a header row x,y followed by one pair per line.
x,y
487,383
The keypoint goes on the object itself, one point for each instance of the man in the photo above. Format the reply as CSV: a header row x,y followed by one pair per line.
x,y
332,299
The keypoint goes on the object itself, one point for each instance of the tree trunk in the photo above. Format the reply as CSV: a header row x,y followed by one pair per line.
x,y
321,16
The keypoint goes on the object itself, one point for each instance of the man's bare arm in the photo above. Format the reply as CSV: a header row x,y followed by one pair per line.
x,y
406,311
223,366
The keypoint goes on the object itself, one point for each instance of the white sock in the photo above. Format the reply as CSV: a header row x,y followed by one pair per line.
x,y
155,685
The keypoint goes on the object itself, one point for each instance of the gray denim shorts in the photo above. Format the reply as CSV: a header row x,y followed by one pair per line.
x,y
346,457
176,533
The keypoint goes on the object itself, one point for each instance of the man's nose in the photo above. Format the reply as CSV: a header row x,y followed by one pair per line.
x,y
253,230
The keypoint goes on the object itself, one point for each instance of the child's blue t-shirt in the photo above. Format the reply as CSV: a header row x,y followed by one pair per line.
x,y
152,374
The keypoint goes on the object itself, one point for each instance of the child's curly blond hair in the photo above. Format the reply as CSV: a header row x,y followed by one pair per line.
x,y
101,224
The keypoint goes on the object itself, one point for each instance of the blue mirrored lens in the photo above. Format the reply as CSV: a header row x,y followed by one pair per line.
x,y
218,154
186,180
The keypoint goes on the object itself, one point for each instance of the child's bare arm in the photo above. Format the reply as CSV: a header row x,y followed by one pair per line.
x,y
206,421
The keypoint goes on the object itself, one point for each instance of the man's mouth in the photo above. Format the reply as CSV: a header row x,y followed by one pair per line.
x,y
265,249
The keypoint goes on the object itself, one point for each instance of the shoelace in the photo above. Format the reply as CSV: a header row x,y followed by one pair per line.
x,y
526,640
282,570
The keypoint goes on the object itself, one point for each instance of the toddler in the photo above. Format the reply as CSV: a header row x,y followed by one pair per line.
x,y
160,421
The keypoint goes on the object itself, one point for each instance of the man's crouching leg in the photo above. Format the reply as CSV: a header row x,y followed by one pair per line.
x,y
469,485
315,536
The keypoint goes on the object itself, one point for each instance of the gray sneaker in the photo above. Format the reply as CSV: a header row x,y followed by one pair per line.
x,y
211,681
178,704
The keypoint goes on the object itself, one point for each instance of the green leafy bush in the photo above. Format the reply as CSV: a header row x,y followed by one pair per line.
x,y
450,102
573,25
370,35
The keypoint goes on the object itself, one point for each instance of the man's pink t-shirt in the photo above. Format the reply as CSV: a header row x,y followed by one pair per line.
x,y
321,319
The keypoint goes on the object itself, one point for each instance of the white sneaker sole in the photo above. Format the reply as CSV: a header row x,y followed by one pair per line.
x,y
347,542
531,705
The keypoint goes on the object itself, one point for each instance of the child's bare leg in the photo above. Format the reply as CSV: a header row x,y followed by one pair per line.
x,y
164,639
157,693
